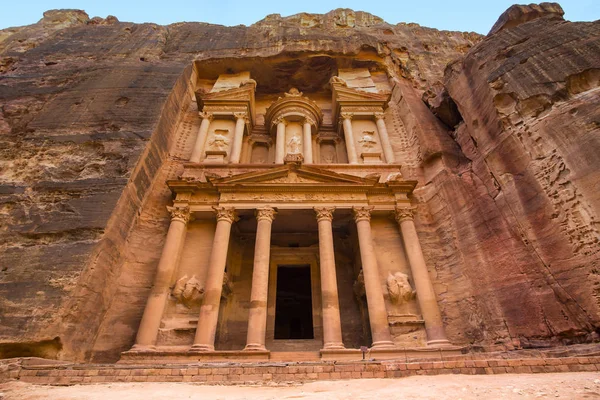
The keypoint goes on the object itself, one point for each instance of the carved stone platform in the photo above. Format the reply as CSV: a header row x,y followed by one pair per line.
x,y
181,354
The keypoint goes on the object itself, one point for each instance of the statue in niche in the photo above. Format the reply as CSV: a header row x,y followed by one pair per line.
x,y
359,286
399,288
294,145
227,288
367,141
188,291
219,142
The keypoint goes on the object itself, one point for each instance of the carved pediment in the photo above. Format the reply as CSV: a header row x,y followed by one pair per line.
x,y
292,175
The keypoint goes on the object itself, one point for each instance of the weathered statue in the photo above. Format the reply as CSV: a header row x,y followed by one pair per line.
x,y
367,140
219,141
399,288
294,145
293,93
188,291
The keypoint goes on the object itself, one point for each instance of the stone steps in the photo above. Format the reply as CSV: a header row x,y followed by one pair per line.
x,y
266,372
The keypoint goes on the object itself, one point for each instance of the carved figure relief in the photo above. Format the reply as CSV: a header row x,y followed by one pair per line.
x,y
227,286
399,288
188,291
359,286
367,141
328,153
294,145
219,142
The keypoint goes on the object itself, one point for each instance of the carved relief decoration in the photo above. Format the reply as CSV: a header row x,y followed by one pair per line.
x,y
188,291
293,145
367,141
219,141
359,286
399,288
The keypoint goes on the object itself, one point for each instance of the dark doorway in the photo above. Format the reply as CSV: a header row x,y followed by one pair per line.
x,y
293,305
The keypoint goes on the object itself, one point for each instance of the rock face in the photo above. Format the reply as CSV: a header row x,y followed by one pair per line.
x,y
95,116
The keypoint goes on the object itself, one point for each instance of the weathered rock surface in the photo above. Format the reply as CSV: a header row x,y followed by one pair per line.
x,y
95,116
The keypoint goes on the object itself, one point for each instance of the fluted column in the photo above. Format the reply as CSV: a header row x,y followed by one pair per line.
x,y
307,142
257,317
236,147
280,141
434,327
349,138
159,293
332,326
201,138
385,139
380,330
209,311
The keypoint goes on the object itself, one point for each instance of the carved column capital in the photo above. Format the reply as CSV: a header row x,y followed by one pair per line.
x,y
179,213
206,115
241,115
378,115
266,213
404,214
324,213
225,214
347,115
362,213
280,120
310,121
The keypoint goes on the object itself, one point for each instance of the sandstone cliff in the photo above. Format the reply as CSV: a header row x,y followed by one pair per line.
x,y
508,194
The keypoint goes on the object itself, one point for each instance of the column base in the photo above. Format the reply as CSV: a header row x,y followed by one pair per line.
x,y
201,348
333,346
383,344
438,343
255,347
143,347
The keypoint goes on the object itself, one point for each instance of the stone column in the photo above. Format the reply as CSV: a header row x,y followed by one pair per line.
x,y
332,326
257,317
236,147
280,141
349,138
209,311
380,330
434,327
307,142
385,139
201,138
159,293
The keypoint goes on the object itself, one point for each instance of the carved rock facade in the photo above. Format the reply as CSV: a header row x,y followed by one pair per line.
x,y
502,187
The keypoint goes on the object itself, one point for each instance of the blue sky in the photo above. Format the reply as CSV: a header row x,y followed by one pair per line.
x,y
465,15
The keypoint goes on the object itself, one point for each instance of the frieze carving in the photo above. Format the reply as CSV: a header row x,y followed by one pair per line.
x,y
188,291
362,213
404,214
225,214
324,213
179,213
265,213
290,197
399,288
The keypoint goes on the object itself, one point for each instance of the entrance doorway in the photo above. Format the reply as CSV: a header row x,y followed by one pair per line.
x,y
293,303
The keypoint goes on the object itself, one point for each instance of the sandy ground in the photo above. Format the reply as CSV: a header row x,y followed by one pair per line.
x,y
577,385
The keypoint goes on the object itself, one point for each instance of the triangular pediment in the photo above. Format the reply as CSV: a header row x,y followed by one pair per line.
x,y
287,175
343,93
242,93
